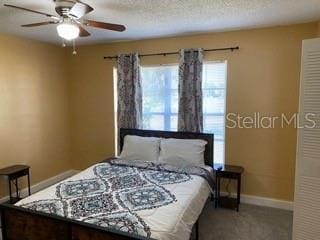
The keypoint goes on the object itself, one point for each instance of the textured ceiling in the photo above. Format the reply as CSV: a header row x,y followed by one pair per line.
x,y
160,18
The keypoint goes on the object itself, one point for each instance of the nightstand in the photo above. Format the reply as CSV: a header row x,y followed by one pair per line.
x,y
13,173
228,172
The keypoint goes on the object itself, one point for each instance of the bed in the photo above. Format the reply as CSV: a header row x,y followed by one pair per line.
x,y
117,199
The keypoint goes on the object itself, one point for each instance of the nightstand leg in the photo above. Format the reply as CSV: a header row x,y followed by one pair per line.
x,y
238,193
17,188
218,191
29,190
10,192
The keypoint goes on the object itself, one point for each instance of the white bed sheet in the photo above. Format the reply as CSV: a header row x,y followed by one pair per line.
x,y
170,222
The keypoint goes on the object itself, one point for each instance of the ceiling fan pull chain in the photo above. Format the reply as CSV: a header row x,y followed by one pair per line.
x,y
63,43
74,47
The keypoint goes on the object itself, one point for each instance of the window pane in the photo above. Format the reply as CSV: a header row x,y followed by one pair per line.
x,y
175,78
160,96
153,90
218,151
174,101
214,124
214,75
213,101
174,123
153,122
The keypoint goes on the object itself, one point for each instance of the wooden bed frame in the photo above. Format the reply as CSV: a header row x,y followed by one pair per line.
x,y
23,224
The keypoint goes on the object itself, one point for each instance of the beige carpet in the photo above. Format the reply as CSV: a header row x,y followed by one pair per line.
x,y
250,223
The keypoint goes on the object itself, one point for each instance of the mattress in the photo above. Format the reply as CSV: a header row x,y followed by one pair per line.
x,y
157,204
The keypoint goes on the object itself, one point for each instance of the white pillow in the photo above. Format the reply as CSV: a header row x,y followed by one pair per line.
x,y
140,148
182,152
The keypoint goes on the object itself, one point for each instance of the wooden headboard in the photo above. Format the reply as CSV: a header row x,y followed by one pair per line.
x,y
209,138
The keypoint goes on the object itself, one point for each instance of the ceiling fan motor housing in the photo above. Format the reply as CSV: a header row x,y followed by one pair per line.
x,y
63,6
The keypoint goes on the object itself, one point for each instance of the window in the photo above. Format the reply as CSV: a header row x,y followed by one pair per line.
x,y
160,100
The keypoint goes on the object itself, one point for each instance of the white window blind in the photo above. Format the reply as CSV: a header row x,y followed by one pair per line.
x,y
214,104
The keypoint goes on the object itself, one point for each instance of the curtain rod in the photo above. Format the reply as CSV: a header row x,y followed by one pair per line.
x,y
174,53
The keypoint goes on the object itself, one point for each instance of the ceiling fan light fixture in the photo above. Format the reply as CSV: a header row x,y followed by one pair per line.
x,y
68,31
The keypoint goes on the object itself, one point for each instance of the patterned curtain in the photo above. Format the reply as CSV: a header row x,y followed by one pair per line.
x,y
190,116
129,92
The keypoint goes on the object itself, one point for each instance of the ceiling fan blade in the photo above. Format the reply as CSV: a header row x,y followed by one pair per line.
x,y
38,24
83,32
80,9
33,11
108,26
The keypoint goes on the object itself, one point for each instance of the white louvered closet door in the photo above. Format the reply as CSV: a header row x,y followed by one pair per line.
x,y
306,224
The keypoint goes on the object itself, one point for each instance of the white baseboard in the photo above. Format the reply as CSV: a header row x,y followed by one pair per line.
x,y
265,202
44,184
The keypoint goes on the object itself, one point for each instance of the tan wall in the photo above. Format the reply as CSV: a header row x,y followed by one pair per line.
x,y
34,114
262,76
318,29
34,98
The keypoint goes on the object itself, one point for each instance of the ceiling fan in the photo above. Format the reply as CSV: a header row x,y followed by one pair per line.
x,y
70,20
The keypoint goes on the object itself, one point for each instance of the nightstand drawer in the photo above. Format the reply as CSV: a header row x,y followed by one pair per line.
x,y
228,175
18,174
